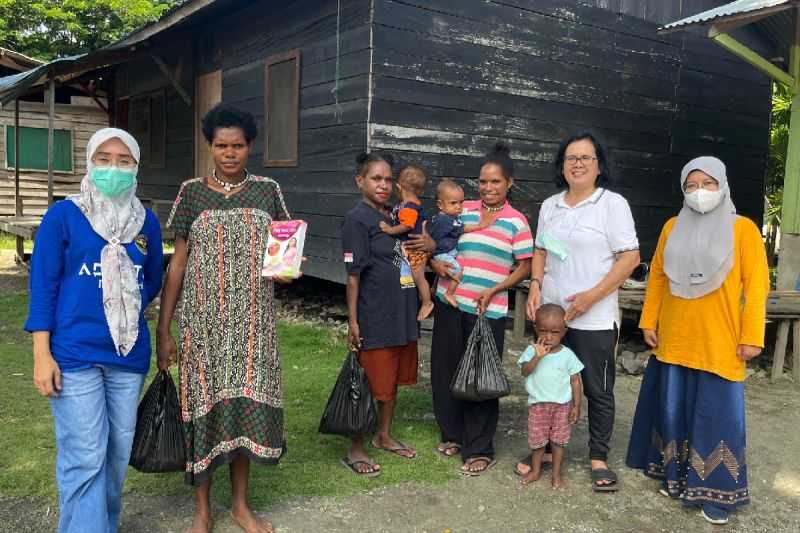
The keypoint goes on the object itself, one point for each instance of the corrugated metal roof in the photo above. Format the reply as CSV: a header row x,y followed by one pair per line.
x,y
12,87
739,7
17,84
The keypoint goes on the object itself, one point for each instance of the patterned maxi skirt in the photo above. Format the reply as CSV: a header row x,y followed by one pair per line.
x,y
230,369
689,432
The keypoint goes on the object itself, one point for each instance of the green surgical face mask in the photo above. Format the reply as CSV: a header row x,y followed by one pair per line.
x,y
552,245
112,181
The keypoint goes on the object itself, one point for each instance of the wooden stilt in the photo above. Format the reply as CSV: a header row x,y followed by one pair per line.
x,y
779,355
50,136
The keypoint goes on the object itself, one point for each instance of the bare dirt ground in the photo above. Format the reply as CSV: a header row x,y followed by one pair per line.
x,y
495,502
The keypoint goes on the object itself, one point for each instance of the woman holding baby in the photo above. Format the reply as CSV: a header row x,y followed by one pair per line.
x,y
494,257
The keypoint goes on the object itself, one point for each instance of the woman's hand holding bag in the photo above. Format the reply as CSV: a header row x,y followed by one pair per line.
x,y
158,441
350,410
479,375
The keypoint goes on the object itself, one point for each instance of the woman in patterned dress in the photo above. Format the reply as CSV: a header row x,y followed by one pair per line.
x,y
230,369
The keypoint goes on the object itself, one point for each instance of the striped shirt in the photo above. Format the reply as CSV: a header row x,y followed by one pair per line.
x,y
486,257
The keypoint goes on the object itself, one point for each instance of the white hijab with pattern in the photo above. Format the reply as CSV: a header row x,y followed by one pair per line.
x,y
118,221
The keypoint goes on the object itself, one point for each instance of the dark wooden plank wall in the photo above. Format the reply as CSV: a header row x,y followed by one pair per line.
x,y
138,80
321,188
452,77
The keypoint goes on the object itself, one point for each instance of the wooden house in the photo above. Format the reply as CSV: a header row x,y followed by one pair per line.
x,y
76,118
437,82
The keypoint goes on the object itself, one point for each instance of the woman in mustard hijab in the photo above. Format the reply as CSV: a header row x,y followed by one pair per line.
x,y
703,315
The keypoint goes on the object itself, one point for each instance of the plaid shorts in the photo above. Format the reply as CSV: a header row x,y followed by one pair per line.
x,y
548,422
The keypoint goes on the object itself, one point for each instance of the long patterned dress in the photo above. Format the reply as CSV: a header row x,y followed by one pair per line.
x,y
230,368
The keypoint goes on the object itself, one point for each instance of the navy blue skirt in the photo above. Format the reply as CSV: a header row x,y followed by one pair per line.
x,y
689,432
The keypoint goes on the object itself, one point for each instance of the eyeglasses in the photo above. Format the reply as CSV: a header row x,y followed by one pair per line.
x,y
123,162
573,159
709,185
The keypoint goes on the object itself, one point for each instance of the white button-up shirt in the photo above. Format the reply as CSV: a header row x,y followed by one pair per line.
x,y
592,232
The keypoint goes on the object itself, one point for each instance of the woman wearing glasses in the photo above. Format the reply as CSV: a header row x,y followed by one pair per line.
x,y
586,246
703,315
95,268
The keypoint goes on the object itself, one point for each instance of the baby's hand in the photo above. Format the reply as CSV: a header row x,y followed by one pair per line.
x,y
574,414
384,226
541,349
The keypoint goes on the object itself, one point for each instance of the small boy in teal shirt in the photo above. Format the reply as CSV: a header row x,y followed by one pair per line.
x,y
553,383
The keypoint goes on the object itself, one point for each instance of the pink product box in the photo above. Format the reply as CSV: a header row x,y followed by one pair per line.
x,y
285,249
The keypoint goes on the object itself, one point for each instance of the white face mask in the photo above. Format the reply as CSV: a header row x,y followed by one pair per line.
x,y
703,200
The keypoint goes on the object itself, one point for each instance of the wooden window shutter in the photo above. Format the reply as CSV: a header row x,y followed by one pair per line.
x,y
282,109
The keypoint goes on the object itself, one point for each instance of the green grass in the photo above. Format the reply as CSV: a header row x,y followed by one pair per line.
x,y
9,242
311,361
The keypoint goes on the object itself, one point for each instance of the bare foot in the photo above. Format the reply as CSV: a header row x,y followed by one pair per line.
x,y
558,483
530,477
525,468
200,524
424,311
451,299
251,522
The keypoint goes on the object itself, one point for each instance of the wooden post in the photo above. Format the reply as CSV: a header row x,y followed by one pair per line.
x,y
796,350
19,241
779,355
17,199
789,257
743,52
790,213
50,136
520,303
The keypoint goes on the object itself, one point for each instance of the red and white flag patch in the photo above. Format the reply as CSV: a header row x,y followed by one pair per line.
x,y
348,257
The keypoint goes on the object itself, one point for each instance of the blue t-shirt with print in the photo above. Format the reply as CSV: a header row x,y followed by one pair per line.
x,y
67,295
445,230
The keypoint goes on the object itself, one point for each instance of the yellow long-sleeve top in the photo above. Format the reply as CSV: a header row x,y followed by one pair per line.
x,y
703,333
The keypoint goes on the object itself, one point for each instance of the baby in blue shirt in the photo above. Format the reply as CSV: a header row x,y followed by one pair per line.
x,y
553,382
446,228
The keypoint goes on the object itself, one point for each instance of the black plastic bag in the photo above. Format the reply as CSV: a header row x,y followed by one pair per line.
x,y
350,410
479,375
158,442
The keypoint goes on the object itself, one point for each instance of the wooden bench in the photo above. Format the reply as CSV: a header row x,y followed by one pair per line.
x,y
25,227
22,227
783,307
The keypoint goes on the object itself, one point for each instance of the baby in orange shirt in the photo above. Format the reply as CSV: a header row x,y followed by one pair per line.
x,y
408,217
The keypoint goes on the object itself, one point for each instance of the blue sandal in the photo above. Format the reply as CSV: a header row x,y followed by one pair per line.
x,y
714,514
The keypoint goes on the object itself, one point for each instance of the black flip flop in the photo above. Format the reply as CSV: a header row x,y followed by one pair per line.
x,y
448,446
604,474
353,467
489,464
401,448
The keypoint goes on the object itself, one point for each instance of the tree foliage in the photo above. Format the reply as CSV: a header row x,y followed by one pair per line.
x,y
779,140
47,29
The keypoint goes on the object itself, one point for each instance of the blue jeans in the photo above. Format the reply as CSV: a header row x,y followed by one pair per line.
x,y
450,259
95,419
